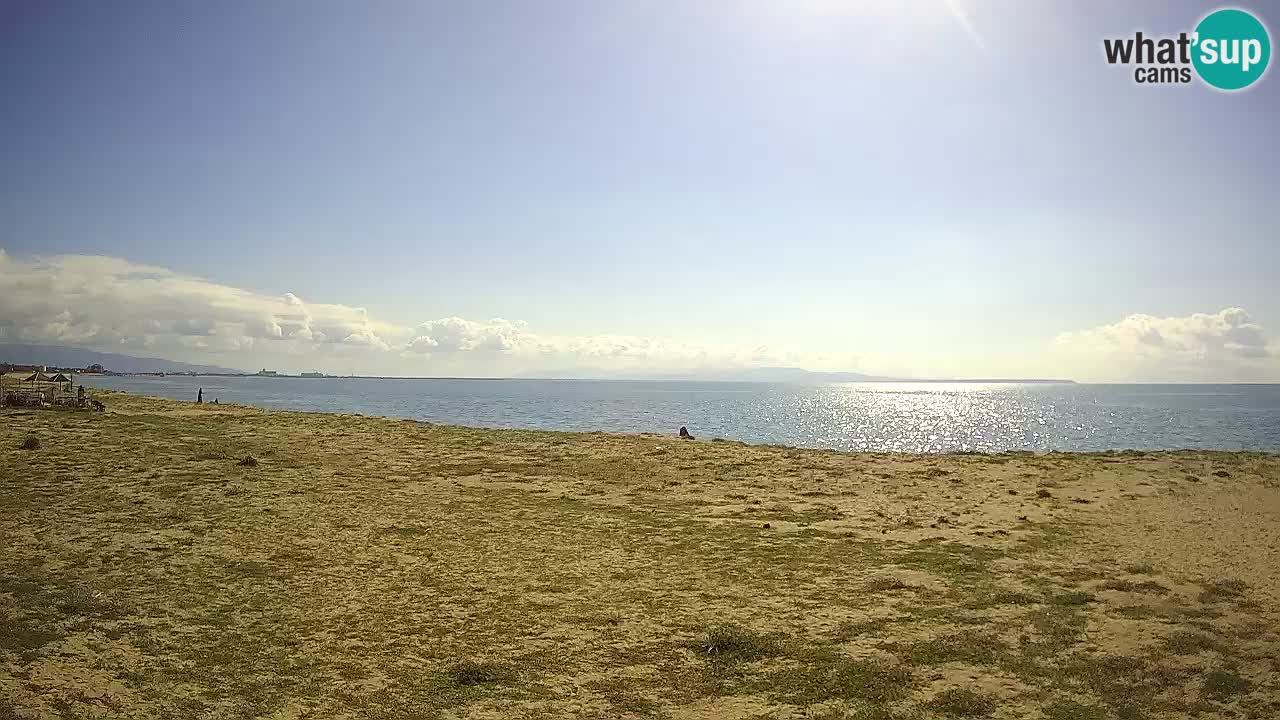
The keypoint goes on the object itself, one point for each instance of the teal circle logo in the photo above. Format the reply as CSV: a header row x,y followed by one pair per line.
x,y
1232,49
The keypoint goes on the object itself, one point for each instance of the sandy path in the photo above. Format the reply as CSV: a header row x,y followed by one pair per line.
x,y
1217,528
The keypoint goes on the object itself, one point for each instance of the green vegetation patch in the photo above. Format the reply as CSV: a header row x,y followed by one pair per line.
x,y
1072,710
963,703
949,560
1186,642
970,646
1224,685
729,643
1227,589
472,673
826,675
883,583
1145,586
43,608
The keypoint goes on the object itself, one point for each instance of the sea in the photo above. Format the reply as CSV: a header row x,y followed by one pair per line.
x,y
896,417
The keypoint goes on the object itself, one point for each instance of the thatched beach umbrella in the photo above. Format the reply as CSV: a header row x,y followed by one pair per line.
x,y
47,386
38,376
63,382
36,380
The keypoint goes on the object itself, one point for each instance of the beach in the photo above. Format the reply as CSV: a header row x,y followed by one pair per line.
x,y
172,560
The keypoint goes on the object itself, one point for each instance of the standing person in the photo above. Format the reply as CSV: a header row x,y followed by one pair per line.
x,y
200,396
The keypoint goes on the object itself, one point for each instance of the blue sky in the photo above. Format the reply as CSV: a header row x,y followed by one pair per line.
x,y
916,187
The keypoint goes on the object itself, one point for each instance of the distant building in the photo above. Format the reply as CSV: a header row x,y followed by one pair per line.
x,y
312,374
95,368
267,373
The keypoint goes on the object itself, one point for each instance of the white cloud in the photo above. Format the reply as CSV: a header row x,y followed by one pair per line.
x,y
513,339
115,305
112,304
1227,344
454,334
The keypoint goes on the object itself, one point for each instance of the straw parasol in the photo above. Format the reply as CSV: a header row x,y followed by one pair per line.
x,y
48,386
38,376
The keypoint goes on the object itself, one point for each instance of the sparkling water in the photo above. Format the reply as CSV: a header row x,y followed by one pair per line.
x,y
909,417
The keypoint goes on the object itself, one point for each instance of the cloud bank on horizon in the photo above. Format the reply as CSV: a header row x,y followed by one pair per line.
x,y
112,304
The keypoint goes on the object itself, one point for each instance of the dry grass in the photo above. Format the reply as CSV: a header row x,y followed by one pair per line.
x,y
370,568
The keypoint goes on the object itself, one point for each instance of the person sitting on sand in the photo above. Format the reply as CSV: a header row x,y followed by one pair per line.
x,y
684,433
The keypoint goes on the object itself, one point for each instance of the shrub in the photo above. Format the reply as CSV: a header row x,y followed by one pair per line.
x,y
1221,684
1223,589
1071,710
1068,599
1184,642
248,461
470,673
31,443
732,643
964,703
881,583
1146,586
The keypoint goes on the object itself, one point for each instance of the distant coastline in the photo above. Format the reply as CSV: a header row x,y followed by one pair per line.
x,y
84,361
868,381
312,376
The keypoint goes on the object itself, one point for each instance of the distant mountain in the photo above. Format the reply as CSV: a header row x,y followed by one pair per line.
x,y
56,356
767,374
772,375
761,374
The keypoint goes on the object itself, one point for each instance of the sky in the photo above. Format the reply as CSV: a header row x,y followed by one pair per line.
x,y
927,188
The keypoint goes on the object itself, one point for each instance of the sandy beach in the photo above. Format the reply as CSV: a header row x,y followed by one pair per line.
x,y
169,560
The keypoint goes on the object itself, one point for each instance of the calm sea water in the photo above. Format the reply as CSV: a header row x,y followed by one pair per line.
x,y
910,417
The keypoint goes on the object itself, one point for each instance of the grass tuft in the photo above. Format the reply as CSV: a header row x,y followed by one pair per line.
x,y
1223,589
881,583
729,643
1146,586
823,676
1058,628
970,646
1072,710
473,673
963,703
31,442
1186,642
21,637
248,461
1224,684
1137,612
1071,599
85,601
